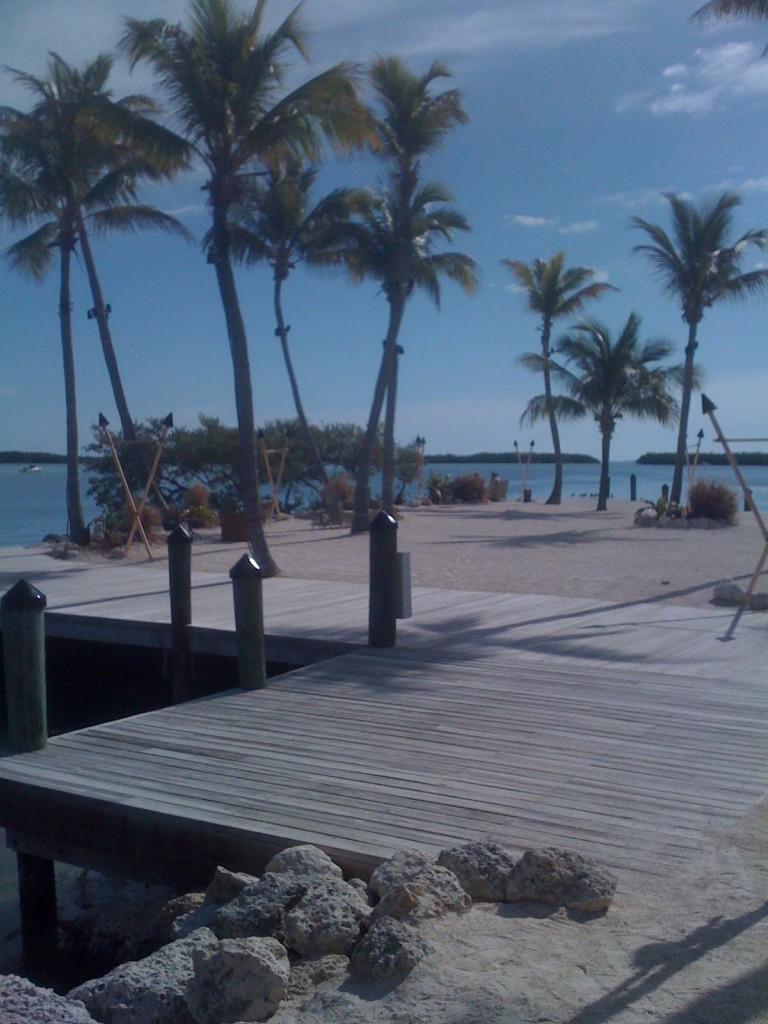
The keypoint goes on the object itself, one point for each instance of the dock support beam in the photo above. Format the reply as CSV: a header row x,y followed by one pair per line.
x,y
247,589
383,580
22,610
180,588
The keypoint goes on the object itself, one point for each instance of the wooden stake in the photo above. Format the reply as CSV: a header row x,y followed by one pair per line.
x,y
105,432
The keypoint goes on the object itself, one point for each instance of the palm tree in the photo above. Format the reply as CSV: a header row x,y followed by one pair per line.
x,y
399,227
554,291
276,222
700,267
22,199
733,9
373,249
223,76
89,152
609,380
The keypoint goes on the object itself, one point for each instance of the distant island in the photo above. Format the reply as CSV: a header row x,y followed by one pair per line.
x,y
705,458
546,458
41,458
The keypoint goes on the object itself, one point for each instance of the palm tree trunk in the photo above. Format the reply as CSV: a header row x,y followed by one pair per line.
x,y
557,488
282,333
685,406
140,464
605,469
361,518
77,529
238,344
388,455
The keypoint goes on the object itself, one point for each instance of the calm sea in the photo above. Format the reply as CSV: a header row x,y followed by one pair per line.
x,y
33,504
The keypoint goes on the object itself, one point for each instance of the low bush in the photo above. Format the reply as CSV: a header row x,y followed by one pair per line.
x,y
471,489
711,500
340,490
197,496
439,488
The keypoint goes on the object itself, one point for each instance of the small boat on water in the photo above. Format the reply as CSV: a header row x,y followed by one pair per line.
x,y
30,469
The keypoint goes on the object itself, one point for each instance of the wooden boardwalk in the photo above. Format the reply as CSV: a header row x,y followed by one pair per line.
x,y
630,732
368,753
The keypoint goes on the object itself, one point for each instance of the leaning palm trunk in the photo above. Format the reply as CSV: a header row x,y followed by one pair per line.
x,y
557,488
685,406
282,333
605,471
361,517
238,344
77,529
105,337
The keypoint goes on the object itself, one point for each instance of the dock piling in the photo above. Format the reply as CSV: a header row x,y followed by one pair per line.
x,y
383,581
247,589
22,610
633,486
180,589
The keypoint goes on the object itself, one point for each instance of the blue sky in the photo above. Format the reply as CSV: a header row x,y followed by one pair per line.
x,y
581,114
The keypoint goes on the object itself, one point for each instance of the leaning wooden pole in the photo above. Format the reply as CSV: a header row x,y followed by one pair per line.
x,y
708,408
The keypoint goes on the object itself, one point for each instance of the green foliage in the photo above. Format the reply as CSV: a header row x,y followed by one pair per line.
x,y
439,488
711,500
471,489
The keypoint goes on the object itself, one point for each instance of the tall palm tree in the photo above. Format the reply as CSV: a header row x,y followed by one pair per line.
x,y
22,200
733,9
90,152
412,122
609,380
277,222
224,76
373,249
554,291
700,266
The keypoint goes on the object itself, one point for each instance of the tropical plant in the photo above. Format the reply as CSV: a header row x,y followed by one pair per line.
x,y
712,500
83,155
700,266
394,239
223,76
277,222
553,291
608,380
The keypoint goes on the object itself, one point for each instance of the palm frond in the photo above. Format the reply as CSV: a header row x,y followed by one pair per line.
x,y
137,217
33,255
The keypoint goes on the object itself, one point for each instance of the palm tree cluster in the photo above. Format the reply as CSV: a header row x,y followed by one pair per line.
x,y
72,166
699,265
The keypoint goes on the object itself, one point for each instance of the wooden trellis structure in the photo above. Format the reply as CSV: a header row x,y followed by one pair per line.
x,y
275,480
136,510
708,408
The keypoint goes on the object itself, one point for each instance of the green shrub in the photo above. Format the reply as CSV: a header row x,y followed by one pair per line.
x,y
710,500
439,488
471,489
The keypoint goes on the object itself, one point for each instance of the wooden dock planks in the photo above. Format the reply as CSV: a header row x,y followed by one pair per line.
x,y
371,752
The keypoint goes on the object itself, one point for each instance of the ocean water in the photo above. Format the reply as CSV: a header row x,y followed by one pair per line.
x,y
33,504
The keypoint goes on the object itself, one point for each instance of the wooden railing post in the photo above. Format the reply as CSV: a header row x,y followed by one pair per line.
x,y
382,605
22,610
633,487
180,589
247,591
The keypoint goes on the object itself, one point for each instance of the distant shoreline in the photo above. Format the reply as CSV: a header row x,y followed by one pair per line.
x,y
543,458
705,459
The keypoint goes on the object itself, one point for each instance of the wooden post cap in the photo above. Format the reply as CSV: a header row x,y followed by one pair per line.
x,y
23,595
383,521
246,568
179,535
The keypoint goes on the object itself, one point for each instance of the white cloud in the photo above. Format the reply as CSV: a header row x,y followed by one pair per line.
x,y
516,289
636,199
527,220
600,276
579,227
191,209
675,71
715,76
